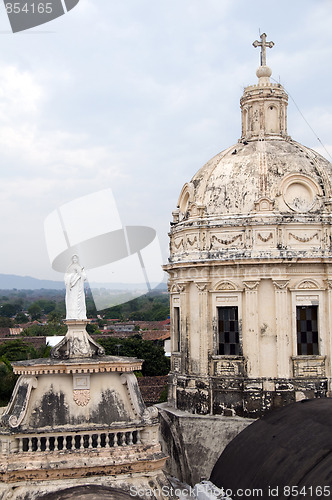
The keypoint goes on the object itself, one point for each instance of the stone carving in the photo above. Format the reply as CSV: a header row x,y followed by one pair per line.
x,y
328,284
251,285
304,238
192,242
309,366
74,281
81,397
177,245
178,287
281,284
307,285
203,241
202,286
77,343
214,238
264,238
226,285
18,405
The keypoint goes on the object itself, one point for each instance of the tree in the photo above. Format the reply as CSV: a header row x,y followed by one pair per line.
x,y
6,322
7,381
8,310
16,350
54,318
35,311
45,330
21,318
155,361
46,305
92,328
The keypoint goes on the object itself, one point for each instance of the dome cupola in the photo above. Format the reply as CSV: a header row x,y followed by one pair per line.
x,y
264,106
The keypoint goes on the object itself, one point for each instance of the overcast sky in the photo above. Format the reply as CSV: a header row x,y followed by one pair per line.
x,y
136,95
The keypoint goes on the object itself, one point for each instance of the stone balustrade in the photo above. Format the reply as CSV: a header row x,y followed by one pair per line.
x,y
71,441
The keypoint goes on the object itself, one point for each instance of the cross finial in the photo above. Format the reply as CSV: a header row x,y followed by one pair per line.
x,y
263,44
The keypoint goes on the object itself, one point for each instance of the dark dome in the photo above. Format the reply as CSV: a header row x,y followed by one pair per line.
x,y
87,492
291,446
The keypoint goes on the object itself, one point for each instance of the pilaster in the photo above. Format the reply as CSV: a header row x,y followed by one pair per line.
x,y
282,328
203,295
251,327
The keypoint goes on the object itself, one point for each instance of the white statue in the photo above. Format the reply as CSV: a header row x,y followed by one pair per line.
x,y
74,281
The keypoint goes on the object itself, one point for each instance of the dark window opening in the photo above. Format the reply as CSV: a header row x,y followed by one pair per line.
x,y
307,330
176,311
228,329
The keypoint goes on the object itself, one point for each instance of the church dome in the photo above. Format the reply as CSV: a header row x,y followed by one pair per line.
x,y
266,170
250,200
288,449
291,177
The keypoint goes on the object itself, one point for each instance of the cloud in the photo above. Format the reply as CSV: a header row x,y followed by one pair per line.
x,y
137,96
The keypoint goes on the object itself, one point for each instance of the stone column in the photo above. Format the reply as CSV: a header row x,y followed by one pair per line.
x,y
203,325
251,328
283,328
182,288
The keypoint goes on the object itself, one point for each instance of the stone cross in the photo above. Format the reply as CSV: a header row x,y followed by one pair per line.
x,y
263,44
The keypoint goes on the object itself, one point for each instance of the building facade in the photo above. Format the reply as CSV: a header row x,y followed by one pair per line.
x,y
250,269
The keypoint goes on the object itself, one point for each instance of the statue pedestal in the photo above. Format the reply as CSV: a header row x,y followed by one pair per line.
x,y
77,342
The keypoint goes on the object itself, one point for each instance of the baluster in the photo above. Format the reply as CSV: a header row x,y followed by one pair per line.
x,y
130,438
139,437
47,444
82,442
98,440
38,447
20,445
90,441
107,440
115,439
56,443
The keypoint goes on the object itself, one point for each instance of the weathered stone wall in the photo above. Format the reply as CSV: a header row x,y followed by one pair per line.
x,y
195,442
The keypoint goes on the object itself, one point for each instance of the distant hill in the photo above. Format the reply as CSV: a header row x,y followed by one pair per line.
x,y
10,281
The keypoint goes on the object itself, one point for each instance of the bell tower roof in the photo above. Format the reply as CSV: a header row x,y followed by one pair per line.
x,y
264,106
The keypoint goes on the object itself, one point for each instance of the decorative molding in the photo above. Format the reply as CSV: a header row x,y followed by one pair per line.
x,y
225,285
81,381
202,285
263,238
304,239
307,285
300,192
226,242
309,366
177,246
77,343
251,285
134,394
328,283
263,205
192,242
18,405
81,397
179,287
281,284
